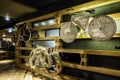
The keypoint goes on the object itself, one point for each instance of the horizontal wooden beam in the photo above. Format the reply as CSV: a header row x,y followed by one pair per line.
x,y
21,56
78,51
103,52
55,77
1,51
24,48
92,4
115,16
94,69
85,6
92,52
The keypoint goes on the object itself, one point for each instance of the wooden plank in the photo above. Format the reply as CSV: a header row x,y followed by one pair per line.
x,y
88,5
85,6
24,48
78,51
2,52
116,35
115,16
92,52
80,35
93,69
54,77
24,56
103,52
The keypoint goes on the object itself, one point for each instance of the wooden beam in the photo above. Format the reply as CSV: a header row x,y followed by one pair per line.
x,y
85,6
78,51
93,69
103,52
92,4
24,48
24,57
92,52
55,77
115,16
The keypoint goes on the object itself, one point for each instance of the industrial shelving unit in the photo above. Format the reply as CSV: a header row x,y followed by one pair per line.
x,y
23,60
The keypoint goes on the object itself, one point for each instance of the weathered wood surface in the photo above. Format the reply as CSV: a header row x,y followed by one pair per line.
x,y
1,51
8,71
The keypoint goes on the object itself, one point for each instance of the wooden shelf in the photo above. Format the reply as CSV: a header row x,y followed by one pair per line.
x,y
24,56
78,51
103,52
92,52
93,69
86,36
24,48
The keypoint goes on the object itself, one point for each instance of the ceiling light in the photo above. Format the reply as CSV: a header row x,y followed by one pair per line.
x,y
7,18
51,22
4,35
36,24
43,23
10,30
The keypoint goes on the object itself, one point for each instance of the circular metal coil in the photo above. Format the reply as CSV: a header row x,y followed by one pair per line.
x,y
55,62
42,58
23,32
39,58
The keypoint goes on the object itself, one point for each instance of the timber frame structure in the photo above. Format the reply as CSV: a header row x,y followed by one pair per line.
x,y
58,43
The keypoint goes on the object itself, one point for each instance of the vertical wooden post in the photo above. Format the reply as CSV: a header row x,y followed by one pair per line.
x,y
83,61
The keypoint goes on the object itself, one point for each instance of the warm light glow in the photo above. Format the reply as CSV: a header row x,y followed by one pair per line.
x,y
4,35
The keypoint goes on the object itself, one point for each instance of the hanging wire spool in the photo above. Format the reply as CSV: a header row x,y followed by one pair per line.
x,y
42,58
39,58
23,33
102,28
55,62
32,59
68,32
